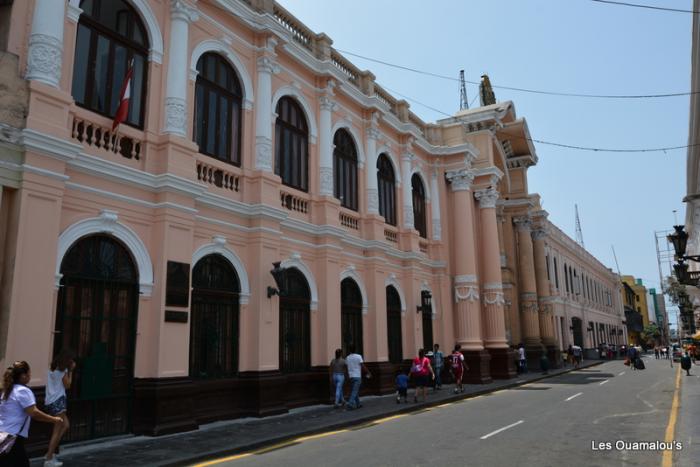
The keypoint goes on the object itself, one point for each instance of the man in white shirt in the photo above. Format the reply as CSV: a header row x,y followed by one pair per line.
x,y
522,358
356,367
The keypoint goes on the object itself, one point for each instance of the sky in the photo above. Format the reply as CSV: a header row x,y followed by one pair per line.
x,y
572,46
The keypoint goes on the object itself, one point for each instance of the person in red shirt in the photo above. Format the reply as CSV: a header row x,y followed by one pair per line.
x,y
421,370
458,367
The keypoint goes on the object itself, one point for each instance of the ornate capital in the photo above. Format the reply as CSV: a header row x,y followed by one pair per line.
x,y
407,157
522,223
494,298
327,103
466,292
539,234
175,116
487,198
373,133
44,60
179,10
460,180
267,64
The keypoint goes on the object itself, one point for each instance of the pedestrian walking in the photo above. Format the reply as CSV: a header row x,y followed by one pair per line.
x,y
686,363
570,355
458,367
59,378
632,355
337,370
438,364
656,352
522,361
356,367
421,370
17,407
577,351
401,387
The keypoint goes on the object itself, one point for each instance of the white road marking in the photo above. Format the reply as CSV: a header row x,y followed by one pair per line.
x,y
502,429
520,381
603,382
575,395
621,373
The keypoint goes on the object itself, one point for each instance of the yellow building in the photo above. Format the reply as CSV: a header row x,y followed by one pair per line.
x,y
634,298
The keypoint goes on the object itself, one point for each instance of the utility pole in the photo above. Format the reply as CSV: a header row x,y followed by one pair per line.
x,y
463,102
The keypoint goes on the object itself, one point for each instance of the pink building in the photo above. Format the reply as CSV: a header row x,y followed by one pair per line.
x,y
249,141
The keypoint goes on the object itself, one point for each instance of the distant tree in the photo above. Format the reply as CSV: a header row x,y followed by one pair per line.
x,y
651,334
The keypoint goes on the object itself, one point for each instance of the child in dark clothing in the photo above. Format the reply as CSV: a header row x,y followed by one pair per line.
x,y
401,387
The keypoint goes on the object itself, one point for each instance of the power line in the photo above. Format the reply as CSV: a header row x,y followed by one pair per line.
x,y
532,91
650,7
550,143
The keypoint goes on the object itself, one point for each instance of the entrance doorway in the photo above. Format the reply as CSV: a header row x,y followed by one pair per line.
x,y
96,318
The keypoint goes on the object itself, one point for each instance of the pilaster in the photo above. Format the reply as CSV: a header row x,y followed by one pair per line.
x,y
266,67
45,54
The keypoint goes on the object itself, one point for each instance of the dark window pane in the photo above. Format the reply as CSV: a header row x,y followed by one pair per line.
x,y
118,74
211,124
99,97
199,116
223,128
135,103
80,66
291,152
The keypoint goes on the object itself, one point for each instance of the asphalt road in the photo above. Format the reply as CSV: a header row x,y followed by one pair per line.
x,y
551,423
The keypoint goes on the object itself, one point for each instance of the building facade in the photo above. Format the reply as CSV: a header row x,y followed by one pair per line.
x,y
252,146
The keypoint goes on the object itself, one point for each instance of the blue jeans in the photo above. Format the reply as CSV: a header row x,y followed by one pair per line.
x,y
354,401
438,379
339,380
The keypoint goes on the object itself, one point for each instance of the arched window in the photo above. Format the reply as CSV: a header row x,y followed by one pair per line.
x,y
291,144
217,111
350,316
214,318
110,35
393,325
345,169
295,323
386,184
419,205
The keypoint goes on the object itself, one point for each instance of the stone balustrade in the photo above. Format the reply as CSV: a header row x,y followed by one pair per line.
x,y
99,139
293,202
212,175
349,221
391,235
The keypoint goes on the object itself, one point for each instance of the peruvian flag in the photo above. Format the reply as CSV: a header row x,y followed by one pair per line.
x,y
124,95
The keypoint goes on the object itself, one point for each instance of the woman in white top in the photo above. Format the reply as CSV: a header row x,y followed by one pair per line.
x,y
59,379
17,406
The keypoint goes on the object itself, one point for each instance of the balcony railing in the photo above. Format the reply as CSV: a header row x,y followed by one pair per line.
x,y
347,68
349,221
212,175
300,33
99,139
391,236
293,202
423,246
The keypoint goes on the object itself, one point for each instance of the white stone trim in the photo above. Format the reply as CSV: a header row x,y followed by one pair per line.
x,y
213,45
295,262
292,91
219,246
107,222
155,37
392,281
351,273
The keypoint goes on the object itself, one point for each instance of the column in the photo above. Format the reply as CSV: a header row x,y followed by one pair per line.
x,y
468,325
326,141
546,311
371,167
408,222
528,291
181,14
45,54
435,208
267,66
493,301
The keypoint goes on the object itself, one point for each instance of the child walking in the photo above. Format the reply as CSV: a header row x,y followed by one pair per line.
x,y
59,379
401,387
457,368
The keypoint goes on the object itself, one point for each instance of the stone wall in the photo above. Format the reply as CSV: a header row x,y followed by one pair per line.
x,y
14,95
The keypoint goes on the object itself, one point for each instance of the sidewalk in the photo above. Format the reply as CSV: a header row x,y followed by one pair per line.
x,y
229,437
687,428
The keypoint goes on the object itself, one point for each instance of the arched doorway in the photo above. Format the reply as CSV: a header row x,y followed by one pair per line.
x,y
393,325
214,326
96,317
350,316
295,323
577,324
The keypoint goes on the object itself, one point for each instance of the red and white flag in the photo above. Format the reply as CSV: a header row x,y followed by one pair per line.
x,y
124,95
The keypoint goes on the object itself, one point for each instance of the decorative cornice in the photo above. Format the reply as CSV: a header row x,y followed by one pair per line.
x,y
180,10
487,197
48,145
460,180
267,64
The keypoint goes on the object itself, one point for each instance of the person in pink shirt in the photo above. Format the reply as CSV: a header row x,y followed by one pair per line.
x,y
421,371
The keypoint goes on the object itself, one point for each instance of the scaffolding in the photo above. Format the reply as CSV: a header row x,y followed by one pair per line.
x,y
665,256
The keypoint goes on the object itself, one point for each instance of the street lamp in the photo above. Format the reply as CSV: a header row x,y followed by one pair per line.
x,y
426,300
679,239
278,274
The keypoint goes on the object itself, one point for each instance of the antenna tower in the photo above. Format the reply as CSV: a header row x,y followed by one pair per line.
x,y
463,102
579,232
